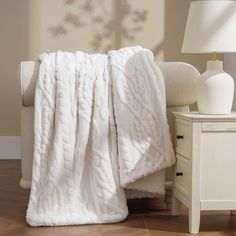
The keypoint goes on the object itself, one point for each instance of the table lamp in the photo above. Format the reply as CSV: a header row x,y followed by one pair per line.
x,y
211,28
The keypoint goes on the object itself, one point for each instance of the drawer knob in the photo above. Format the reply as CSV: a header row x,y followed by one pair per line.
x,y
180,137
179,173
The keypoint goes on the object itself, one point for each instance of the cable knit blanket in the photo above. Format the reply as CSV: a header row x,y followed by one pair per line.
x,y
100,128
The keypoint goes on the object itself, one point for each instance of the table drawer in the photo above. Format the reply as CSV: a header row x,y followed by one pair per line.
x,y
182,175
183,139
218,126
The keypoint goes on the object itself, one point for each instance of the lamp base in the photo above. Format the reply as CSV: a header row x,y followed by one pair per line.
x,y
215,90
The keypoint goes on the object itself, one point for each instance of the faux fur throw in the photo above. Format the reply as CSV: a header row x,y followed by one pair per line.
x,y
100,127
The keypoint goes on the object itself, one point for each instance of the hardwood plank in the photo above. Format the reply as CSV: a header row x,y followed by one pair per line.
x,y
141,221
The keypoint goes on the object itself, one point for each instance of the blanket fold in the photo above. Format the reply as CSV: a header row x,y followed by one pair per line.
x,y
100,127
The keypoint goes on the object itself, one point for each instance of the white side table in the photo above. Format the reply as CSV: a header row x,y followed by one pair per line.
x,y
205,172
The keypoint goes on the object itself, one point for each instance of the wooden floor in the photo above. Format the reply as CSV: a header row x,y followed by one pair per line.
x,y
13,202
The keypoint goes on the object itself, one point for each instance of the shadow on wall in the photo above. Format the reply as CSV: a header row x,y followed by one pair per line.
x,y
108,27
111,27
174,33
173,30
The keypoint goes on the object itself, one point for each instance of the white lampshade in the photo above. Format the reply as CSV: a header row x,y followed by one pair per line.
x,y
211,27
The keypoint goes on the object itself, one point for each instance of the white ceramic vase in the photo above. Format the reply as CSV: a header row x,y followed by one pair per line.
x,y
215,90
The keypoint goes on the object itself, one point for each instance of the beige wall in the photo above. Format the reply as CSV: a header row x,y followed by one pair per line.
x,y
30,27
13,48
229,67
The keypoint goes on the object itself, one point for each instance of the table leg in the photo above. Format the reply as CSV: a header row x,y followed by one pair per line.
x,y
194,218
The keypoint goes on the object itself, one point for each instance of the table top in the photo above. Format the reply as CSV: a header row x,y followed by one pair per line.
x,y
205,117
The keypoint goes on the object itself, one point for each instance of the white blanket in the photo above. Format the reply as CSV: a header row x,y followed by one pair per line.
x,y
100,128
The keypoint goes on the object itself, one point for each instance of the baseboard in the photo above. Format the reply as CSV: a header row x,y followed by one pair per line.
x,y
10,147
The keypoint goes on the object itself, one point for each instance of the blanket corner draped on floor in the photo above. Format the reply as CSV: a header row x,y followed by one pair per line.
x,y
100,129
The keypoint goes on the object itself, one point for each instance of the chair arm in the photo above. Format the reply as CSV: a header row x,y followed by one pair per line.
x,y
28,81
180,81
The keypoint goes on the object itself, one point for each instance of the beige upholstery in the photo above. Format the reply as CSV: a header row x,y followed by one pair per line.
x,y
180,79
